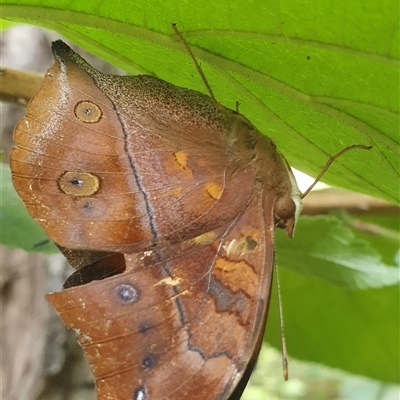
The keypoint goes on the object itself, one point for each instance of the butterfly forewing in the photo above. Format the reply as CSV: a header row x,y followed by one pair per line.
x,y
99,171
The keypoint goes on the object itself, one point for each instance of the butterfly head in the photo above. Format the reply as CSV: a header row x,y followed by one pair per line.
x,y
288,206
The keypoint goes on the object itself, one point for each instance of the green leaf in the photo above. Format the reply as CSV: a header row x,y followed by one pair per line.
x,y
354,330
17,228
386,237
314,76
328,249
340,299
5,24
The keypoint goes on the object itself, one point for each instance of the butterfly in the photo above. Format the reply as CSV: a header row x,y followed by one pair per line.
x,y
166,203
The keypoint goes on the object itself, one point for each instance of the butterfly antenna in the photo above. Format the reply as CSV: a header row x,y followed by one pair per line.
x,y
330,161
197,65
285,367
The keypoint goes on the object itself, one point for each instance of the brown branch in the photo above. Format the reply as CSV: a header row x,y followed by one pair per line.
x,y
374,230
325,201
18,86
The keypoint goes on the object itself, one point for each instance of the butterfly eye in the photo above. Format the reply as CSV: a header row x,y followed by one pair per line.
x,y
285,214
285,208
285,211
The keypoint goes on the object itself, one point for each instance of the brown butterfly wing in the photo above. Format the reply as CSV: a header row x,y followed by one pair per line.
x,y
119,164
190,192
182,322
